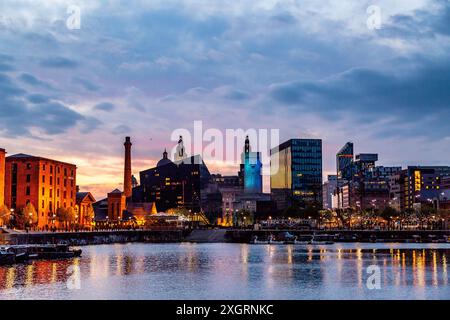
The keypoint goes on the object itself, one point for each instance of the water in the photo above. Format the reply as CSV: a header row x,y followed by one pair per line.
x,y
234,271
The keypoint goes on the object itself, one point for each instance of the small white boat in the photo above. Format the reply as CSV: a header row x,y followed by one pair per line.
x,y
256,241
272,240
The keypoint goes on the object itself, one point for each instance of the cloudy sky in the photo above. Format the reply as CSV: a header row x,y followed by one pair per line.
x,y
313,69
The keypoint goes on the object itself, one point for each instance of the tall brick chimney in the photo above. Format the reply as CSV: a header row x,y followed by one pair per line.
x,y
127,172
2,177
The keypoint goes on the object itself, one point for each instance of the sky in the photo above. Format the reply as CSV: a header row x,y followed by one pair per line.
x,y
312,69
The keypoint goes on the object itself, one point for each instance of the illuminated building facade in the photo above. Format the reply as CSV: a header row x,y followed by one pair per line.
x,y
174,184
85,211
328,189
418,186
45,183
252,166
344,162
363,185
296,173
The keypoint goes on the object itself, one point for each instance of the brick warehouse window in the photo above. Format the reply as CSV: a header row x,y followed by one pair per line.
x,y
28,166
28,177
28,191
43,179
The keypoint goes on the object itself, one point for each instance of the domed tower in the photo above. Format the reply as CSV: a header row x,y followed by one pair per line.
x,y
165,160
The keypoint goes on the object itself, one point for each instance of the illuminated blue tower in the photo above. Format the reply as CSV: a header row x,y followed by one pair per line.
x,y
252,166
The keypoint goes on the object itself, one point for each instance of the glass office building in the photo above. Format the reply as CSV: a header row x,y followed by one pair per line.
x,y
296,173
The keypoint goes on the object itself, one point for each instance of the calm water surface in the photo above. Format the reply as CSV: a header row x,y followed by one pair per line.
x,y
234,271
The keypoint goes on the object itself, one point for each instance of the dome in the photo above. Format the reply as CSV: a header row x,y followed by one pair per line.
x,y
164,160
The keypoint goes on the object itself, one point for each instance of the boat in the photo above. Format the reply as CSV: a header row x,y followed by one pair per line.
x,y
58,251
20,253
302,240
256,241
322,239
6,257
272,240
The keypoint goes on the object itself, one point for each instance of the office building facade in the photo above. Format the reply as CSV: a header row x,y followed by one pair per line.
x,y
296,173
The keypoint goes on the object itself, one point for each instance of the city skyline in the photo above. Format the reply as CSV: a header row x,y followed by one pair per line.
x,y
73,95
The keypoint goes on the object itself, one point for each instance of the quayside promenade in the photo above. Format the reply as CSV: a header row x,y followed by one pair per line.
x,y
216,236
245,236
93,237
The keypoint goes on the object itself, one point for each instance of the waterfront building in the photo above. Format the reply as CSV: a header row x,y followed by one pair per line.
x,y
227,181
47,184
174,184
252,166
344,168
418,186
363,185
116,205
85,210
328,188
344,162
444,194
2,177
296,178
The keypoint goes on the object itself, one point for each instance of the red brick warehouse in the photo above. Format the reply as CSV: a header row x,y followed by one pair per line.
x,y
46,183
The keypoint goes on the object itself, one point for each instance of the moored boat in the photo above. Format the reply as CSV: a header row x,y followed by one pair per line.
x,y
59,251
6,257
256,241
272,240
322,239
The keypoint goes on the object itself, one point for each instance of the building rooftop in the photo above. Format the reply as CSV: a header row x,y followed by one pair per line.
x,y
80,196
28,156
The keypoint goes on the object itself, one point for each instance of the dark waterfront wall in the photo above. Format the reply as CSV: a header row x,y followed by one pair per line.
x,y
96,237
211,236
245,236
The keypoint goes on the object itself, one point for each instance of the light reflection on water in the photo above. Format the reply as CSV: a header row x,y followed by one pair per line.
x,y
235,271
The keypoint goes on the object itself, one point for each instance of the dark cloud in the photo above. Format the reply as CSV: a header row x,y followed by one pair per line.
x,y
105,106
8,88
90,124
367,94
59,63
420,24
33,81
121,129
284,18
38,98
19,115
5,67
86,84
238,95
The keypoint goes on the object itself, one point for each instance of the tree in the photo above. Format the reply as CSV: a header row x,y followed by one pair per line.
x,y
292,211
61,215
5,215
30,214
245,217
71,216
89,214
389,214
